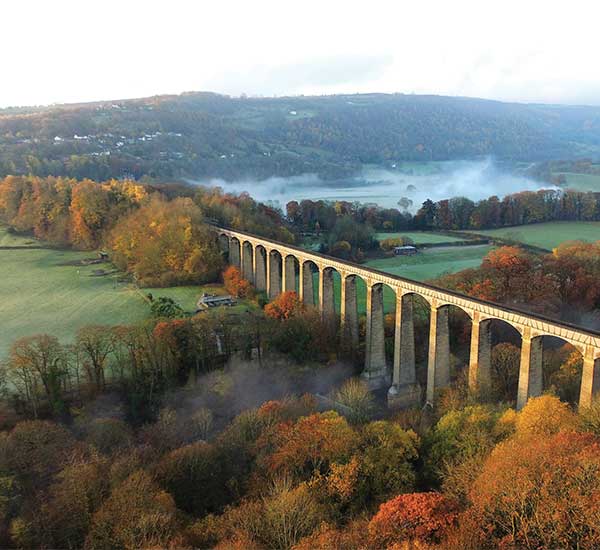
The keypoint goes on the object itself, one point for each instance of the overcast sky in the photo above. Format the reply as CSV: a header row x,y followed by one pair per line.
x,y
83,50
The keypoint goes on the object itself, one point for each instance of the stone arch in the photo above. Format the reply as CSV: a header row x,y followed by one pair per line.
x,y
274,271
223,240
247,261
235,252
290,273
548,356
419,308
459,323
260,267
308,288
495,358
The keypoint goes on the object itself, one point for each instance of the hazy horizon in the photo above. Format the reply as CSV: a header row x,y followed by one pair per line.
x,y
514,52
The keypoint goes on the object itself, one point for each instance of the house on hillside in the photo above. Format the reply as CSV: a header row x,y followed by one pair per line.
x,y
406,250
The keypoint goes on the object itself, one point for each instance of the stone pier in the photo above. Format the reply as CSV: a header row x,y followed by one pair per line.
x,y
234,253
274,274
349,309
480,358
438,362
530,372
307,282
260,268
405,390
247,263
375,371
326,295
289,274
590,378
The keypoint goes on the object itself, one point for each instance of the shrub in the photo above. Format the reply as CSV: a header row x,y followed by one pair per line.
x,y
356,400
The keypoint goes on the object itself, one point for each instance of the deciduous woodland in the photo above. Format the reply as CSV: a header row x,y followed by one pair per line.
x,y
252,430
211,135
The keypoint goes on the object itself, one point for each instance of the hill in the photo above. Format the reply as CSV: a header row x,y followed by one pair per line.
x,y
210,135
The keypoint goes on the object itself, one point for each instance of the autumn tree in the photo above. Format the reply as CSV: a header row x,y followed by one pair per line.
x,y
312,443
96,344
37,365
284,306
414,516
137,514
235,284
543,494
388,455
193,475
165,243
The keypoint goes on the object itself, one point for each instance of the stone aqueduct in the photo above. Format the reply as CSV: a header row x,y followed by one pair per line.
x,y
275,267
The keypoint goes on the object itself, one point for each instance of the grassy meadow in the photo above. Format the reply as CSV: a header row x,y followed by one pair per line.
x,y
427,264
45,291
419,237
547,235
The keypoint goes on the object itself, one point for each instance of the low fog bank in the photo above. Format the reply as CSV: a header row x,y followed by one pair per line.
x,y
415,181
245,385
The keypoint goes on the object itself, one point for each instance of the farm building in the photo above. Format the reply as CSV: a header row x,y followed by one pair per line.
x,y
209,301
405,250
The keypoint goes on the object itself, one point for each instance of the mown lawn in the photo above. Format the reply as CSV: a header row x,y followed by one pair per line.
x,y
419,237
547,235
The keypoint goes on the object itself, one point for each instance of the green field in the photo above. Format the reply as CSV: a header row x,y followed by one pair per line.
x,y
43,291
581,182
547,235
427,264
419,237
433,262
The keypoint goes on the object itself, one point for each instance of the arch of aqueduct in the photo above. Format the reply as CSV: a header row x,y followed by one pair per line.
x,y
275,267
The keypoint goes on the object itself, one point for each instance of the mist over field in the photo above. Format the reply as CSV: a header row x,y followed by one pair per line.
x,y
414,181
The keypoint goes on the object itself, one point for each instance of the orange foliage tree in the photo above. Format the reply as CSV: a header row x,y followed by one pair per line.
x,y
421,516
235,284
542,494
312,443
285,306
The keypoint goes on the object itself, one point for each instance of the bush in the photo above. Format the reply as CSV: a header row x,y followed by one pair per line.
x,y
165,308
356,400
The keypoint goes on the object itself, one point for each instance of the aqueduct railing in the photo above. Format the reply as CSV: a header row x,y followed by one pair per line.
x,y
275,267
